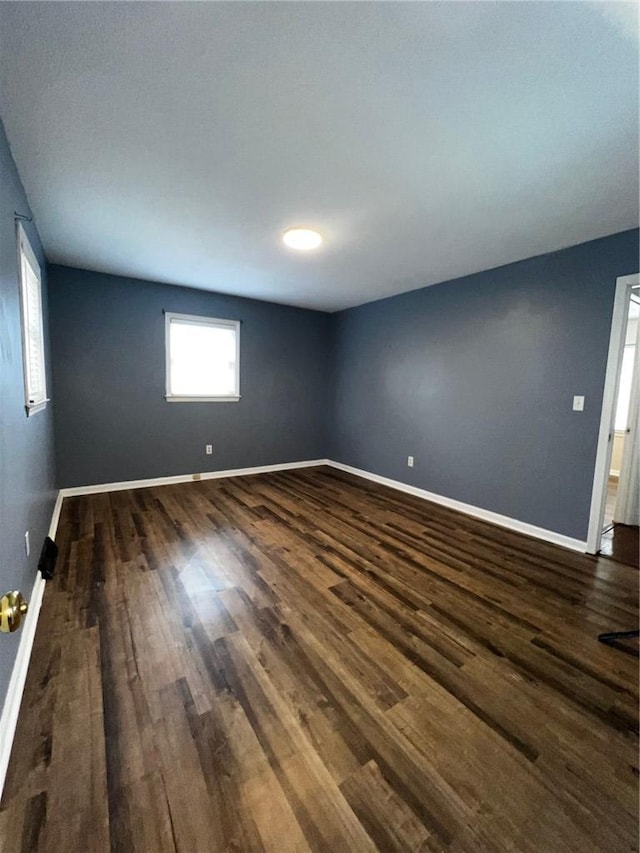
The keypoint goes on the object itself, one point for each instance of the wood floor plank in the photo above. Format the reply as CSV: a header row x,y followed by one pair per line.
x,y
308,661
386,817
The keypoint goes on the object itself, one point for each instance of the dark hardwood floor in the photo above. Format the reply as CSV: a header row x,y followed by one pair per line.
x,y
620,541
306,660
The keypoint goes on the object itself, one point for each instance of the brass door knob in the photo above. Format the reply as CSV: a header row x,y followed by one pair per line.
x,y
12,609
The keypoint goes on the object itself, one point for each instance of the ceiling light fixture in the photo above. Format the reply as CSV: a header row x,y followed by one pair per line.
x,y
302,239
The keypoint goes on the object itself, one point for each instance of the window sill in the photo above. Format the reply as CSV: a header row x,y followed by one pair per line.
x,y
174,398
34,408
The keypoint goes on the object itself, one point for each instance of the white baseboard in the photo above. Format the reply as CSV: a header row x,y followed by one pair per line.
x,y
186,478
11,708
469,509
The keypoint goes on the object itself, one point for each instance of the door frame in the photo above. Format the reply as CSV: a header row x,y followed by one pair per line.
x,y
629,455
624,284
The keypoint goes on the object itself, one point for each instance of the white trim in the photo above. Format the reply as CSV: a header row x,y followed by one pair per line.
x,y
468,509
187,478
26,256
34,408
626,506
176,398
607,416
13,699
632,280
197,320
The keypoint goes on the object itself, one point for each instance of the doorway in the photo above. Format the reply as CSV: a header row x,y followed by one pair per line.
x,y
613,524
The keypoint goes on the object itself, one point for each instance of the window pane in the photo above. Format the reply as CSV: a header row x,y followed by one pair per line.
x,y
33,329
202,360
624,389
32,339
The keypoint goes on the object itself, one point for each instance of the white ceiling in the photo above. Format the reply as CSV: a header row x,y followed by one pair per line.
x,y
175,141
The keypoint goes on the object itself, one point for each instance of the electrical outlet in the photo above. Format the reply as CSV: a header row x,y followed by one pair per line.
x,y
410,461
208,449
578,404
27,545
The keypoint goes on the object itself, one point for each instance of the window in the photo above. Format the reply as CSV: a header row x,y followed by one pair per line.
x,y
35,381
203,358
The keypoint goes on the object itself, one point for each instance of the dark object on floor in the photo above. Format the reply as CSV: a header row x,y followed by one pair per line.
x,y
616,638
48,557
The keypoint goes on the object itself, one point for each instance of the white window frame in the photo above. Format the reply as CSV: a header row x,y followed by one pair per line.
x,y
200,321
26,255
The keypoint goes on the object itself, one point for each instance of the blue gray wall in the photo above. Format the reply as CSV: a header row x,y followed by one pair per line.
x,y
475,379
26,444
112,420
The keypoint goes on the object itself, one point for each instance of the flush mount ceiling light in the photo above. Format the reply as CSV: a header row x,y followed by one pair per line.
x,y
302,239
